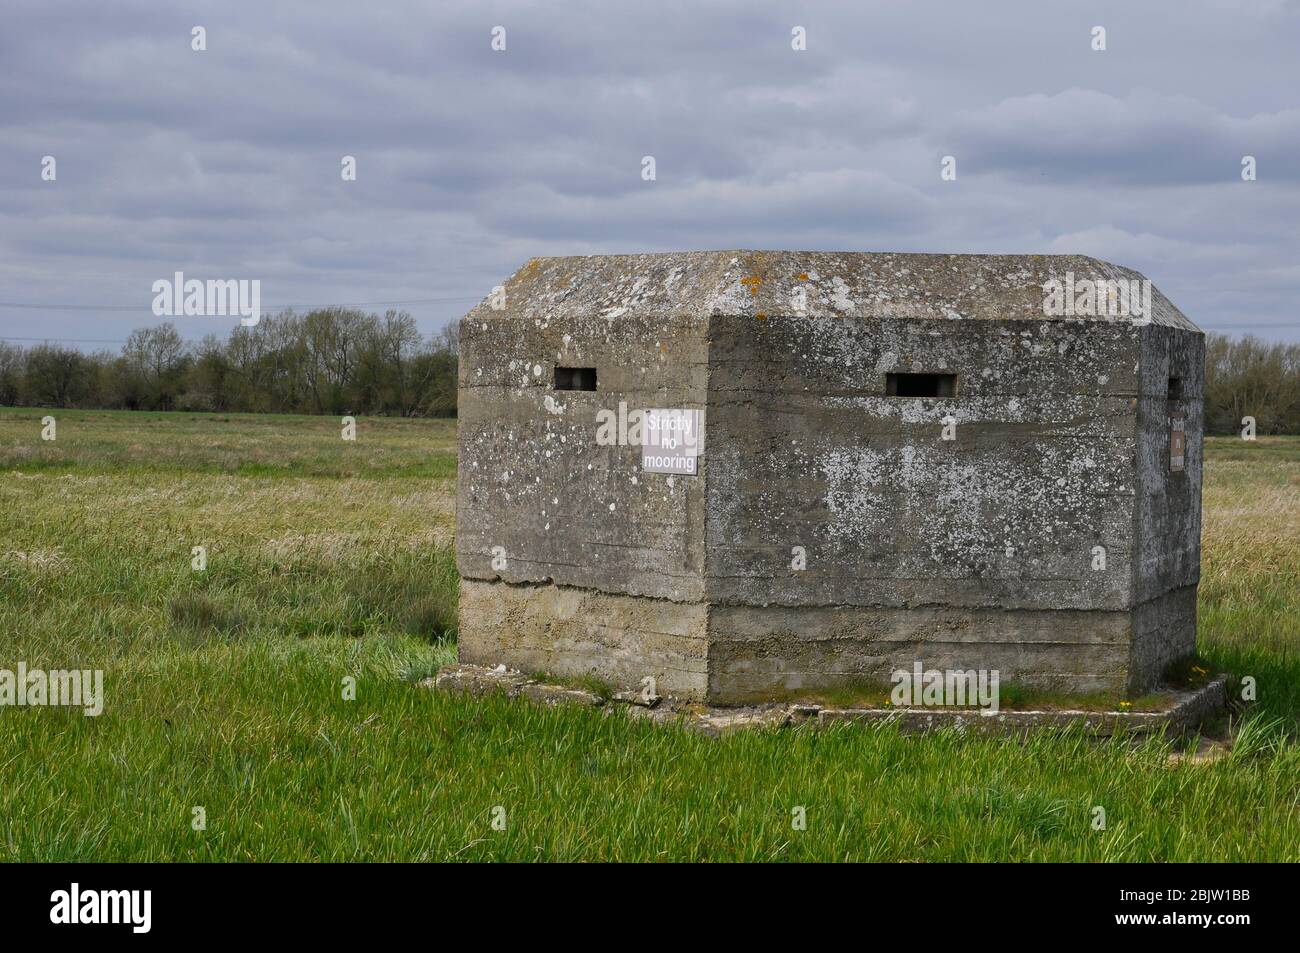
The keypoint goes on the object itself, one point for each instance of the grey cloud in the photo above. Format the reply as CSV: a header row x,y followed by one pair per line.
x,y
1145,138
226,163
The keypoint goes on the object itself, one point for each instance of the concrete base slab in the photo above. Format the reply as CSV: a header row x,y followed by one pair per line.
x,y
1186,712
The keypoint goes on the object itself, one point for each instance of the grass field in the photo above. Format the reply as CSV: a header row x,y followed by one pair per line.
x,y
329,560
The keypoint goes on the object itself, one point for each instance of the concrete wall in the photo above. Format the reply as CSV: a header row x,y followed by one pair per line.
x,y
1167,517
582,529
1164,632
971,553
805,450
532,478
975,552
757,652
563,630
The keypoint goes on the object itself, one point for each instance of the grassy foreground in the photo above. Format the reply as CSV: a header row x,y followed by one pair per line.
x,y
328,560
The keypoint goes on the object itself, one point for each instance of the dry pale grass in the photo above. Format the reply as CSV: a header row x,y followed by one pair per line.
x,y
1251,521
224,686
1250,533
38,560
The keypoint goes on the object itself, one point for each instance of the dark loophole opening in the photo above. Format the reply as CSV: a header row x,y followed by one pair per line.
x,y
921,385
575,378
1175,388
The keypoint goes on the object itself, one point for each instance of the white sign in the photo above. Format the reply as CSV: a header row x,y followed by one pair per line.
x,y
672,441
1177,441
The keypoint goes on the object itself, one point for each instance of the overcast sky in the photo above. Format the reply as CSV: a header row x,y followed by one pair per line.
x,y
226,163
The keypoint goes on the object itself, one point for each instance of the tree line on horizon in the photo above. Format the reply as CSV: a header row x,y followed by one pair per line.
x,y
327,361
1247,377
344,361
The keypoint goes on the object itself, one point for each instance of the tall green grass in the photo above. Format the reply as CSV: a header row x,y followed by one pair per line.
x,y
226,688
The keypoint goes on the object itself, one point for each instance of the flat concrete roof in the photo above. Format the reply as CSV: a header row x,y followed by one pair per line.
x,y
834,284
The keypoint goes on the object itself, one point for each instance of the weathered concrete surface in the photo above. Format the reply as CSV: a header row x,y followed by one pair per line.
x,y
615,288
891,515
531,478
762,652
1180,712
480,680
1187,711
1167,515
573,632
541,694
1164,633
976,552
